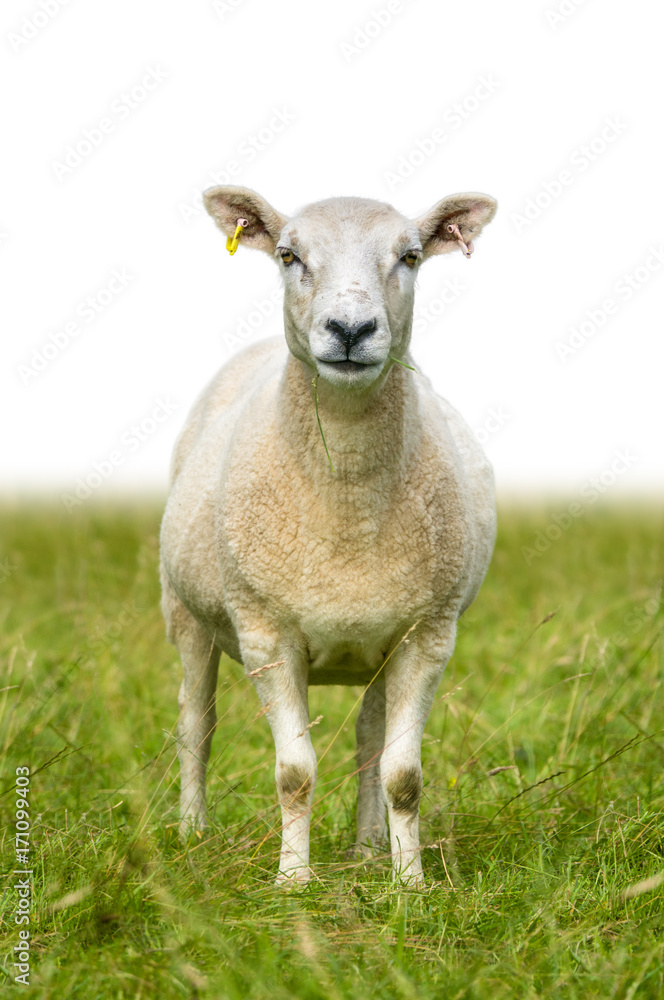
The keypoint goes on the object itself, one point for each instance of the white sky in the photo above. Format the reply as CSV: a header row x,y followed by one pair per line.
x,y
569,102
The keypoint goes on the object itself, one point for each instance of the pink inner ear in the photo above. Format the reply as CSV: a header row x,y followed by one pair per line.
x,y
456,220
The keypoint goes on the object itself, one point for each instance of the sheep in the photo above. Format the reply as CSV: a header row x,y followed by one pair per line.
x,y
329,517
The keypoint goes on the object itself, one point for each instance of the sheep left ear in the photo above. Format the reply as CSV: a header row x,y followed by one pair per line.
x,y
227,204
455,222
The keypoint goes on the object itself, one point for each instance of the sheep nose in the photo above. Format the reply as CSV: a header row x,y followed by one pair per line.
x,y
349,335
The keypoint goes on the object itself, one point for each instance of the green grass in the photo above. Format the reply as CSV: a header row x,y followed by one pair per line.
x,y
557,679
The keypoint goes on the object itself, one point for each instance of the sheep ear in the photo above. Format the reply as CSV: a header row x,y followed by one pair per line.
x,y
455,222
228,204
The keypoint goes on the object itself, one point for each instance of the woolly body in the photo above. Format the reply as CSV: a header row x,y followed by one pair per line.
x,y
308,574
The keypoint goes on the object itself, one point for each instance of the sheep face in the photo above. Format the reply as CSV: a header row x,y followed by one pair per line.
x,y
349,267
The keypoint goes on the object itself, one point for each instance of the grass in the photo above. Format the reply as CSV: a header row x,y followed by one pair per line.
x,y
542,808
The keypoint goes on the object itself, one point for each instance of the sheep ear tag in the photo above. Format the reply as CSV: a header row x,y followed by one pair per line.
x,y
233,242
467,249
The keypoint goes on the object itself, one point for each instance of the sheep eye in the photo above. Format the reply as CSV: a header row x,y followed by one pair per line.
x,y
287,256
410,259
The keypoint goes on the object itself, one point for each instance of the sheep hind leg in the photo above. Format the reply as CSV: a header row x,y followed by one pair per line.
x,y
196,724
197,719
371,804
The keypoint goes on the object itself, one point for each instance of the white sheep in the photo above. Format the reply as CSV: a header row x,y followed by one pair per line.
x,y
311,569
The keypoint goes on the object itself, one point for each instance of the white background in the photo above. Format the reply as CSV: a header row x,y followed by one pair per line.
x,y
360,96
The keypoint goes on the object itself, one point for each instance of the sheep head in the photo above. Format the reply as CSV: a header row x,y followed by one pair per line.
x,y
349,267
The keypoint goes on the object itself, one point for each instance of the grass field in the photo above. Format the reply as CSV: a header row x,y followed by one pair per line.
x,y
542,808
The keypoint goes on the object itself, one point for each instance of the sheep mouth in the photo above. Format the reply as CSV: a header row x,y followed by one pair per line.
x,y
349,373
348,365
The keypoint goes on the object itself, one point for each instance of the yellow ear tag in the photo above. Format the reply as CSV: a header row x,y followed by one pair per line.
x,y
232,243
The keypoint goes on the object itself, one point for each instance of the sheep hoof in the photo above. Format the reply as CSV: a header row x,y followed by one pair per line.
x,y
402,880
294,877
364,851
191,832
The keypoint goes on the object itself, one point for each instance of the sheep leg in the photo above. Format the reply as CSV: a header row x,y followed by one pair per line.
x,y
411,681
283,691
370,730
196,722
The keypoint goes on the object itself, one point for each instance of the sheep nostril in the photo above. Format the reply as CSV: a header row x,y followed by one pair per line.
x,y
351,334
337,327
365,328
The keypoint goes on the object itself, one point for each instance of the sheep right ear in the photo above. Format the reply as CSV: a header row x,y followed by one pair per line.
x,y
455,222
228,204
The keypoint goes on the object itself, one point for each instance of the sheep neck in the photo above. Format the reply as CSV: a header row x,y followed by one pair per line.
x,y
367,431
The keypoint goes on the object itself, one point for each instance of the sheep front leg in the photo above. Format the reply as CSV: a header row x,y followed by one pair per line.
x,y
283,691
411,680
